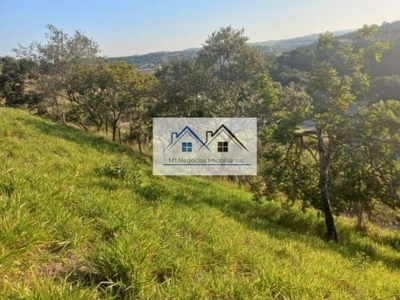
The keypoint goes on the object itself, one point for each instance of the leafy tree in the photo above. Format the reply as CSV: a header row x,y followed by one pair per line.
x,y
235,66
286,76
85,95
280,163
58,59
385,88
299,58
336,79
218,82
389,65
110,92
338,91
14,77
366,173
185,89
227,53
379,126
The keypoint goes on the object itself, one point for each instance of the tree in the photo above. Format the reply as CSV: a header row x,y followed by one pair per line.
x,y
385,88
286,75
109,92
338,90
379,139
282,169
85,96
311,153
186,89
227,53
299,58
232,60
59,59
14,77
366,173
218,82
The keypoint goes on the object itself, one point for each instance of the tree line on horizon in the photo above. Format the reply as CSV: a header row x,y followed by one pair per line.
x,y
344,162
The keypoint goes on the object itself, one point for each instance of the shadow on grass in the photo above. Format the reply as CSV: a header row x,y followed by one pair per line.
x,y
274,218
83,139
282,221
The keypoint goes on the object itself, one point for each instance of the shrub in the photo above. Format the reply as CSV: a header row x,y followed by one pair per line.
x,y
123,168
154,191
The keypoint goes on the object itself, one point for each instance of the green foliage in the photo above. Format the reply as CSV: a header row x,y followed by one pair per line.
x,y
114,269
385,88
115,169
378,45
14,77
106,93
185,89
266,90
223,80
366,33
61,50
134,236
153,191
123,168
324,78
388,65
325,41
226,52
379,127
58,59
304,160
286,76
299,58
65,234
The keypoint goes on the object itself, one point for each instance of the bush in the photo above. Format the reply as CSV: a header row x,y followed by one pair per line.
x,y
154,191
123,168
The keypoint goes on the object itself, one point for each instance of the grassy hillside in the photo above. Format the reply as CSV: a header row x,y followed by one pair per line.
x,y
82,218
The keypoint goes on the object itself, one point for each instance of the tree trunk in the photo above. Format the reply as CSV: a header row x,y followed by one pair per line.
x,y
324,160
119,136
326,207
106,125
115,122
114,130
139,143
359,216
360,210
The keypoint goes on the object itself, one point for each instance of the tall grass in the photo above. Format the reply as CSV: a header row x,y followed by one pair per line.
x,y
83,218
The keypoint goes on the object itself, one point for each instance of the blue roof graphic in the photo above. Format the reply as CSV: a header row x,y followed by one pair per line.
x,y
175,137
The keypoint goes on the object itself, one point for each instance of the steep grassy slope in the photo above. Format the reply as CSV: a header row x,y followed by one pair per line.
x,y
81,218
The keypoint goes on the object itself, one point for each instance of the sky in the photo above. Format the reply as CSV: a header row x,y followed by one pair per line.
x,y
128,27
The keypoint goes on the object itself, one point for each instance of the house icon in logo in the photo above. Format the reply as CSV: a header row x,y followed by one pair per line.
x,y
188,139
204,146
221,140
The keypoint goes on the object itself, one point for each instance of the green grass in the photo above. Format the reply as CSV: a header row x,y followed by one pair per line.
x,y
83,218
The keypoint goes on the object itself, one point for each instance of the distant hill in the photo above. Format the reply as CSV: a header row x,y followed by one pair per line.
x,y
387,31
277,46
154,60
298,59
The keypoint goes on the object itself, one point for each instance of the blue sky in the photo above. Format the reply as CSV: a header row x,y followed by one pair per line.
x,y
140,26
